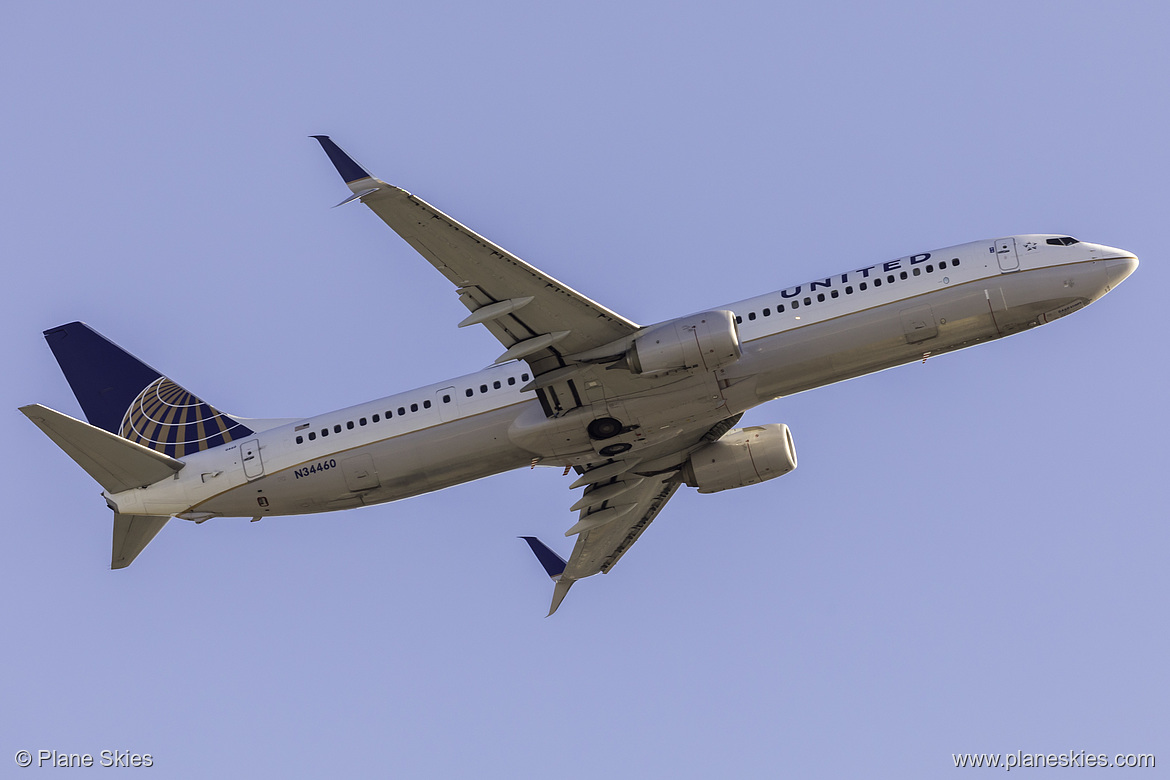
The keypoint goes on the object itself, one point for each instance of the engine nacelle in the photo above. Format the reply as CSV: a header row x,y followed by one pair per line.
x,y
744,456
709,340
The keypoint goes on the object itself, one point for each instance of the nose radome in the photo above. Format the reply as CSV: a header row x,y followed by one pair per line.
x,y
1120,268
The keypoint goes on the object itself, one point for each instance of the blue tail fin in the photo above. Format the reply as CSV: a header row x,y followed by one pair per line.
x,y
124,396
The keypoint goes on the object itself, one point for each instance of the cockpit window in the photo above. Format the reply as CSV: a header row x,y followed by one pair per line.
x,y
1064,241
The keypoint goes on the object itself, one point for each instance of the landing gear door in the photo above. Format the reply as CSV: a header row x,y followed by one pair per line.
x,y
1005,253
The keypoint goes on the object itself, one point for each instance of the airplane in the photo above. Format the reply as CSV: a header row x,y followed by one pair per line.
x,y
636,411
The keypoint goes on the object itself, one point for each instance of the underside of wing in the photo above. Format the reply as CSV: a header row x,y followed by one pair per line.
x,y
609,405
534,316
598,548
607,529
579,351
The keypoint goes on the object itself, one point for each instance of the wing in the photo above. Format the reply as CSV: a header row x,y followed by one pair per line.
x,y
570,342
614,513
621,498
533,315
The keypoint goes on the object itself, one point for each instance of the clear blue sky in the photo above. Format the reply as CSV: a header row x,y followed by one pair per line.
x,y
970,558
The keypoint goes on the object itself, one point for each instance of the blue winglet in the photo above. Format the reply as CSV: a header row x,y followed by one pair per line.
x,y
350,171
552,563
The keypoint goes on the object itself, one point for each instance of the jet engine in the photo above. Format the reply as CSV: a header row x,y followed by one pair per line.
x,y
743,456
709,340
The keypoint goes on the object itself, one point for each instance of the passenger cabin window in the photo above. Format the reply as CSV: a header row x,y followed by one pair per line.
x,y
496,384
362,421
312,436
375,418
426,404
349,425
414,407
301,439
511,380
469,392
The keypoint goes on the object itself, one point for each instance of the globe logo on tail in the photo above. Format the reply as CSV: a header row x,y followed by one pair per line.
x,y
171,420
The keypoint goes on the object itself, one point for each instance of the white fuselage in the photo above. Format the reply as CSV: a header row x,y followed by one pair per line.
x,y
792,340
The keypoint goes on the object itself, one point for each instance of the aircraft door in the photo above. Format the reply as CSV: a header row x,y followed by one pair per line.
x,y
447,402
250,457
1005,253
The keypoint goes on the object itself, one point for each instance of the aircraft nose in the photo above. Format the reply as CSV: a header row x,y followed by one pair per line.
x,y
1119,268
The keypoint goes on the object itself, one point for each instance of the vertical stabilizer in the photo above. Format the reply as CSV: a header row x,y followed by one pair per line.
x,y
121,394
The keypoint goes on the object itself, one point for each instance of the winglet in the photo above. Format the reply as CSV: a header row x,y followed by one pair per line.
x,y
559,592
350,171
552,563
555,566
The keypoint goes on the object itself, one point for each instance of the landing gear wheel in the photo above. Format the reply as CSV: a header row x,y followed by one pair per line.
x,y
604,428
615,449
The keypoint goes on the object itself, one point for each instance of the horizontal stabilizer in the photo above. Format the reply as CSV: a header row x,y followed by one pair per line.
x,y
131,535
116,463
